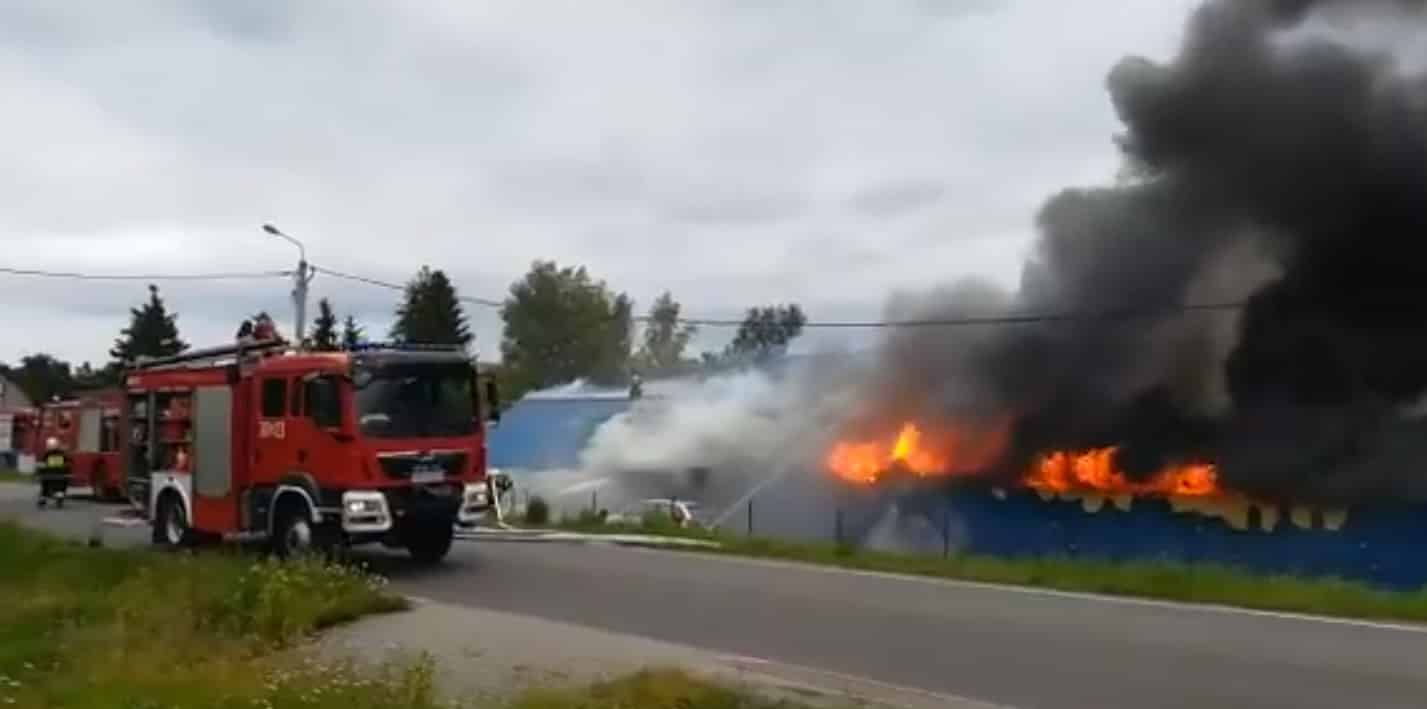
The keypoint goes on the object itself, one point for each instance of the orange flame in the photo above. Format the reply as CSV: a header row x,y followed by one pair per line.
x,y
959,451
865,462
1095,471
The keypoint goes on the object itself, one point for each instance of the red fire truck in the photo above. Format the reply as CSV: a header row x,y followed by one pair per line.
x,y
88,427
309,450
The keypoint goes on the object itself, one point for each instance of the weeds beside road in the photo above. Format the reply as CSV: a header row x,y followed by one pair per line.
x,y
1191,583
99,628
83,627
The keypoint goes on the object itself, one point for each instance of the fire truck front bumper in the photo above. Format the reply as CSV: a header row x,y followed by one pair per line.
x,y
366,512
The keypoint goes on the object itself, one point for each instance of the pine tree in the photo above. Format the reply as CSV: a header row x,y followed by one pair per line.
x,y
351,333
152,332
324,328
431,313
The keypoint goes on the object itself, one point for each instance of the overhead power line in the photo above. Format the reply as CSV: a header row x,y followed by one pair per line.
x,y
967,321
35,273
396,286
1007,319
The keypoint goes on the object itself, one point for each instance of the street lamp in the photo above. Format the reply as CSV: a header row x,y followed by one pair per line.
x,y
300,279
301,250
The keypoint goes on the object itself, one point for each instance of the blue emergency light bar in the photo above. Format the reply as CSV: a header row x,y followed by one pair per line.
x,y
403,347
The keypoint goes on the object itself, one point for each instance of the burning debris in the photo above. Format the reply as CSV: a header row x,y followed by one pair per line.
x,y
1060,472
1280,160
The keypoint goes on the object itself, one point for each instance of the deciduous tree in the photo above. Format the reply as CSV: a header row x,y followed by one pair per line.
x,y
562,325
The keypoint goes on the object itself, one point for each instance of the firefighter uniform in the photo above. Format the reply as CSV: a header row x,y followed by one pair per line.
x,y
53,472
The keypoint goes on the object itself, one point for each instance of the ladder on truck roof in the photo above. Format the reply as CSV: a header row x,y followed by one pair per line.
x,y
209,356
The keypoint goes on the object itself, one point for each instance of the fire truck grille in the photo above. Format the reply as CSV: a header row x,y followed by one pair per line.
x,y
403,465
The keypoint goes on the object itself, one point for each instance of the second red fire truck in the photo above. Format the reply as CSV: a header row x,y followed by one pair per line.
x,y
87,426
309,450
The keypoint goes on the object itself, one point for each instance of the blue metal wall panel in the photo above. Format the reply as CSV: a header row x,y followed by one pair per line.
x,y
1377,544
548,434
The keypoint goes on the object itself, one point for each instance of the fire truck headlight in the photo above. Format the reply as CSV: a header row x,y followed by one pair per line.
x,y
357,507
475,495
365,511
474,503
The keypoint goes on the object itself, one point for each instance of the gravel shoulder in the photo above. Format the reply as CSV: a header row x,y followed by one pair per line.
x,y
483,654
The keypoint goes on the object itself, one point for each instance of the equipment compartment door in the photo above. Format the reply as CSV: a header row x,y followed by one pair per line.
x,y
90,426
214,506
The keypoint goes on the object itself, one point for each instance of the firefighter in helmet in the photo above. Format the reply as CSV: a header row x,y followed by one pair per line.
x,y
53,472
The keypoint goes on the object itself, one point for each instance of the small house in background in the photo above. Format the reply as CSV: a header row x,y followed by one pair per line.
x,y
12,397
14,407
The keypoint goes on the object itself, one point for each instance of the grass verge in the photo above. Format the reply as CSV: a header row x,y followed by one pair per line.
x,y
93,628
101,629
11,476
1164,580
655,689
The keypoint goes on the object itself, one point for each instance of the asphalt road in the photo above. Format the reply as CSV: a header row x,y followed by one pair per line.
x,y
1012,647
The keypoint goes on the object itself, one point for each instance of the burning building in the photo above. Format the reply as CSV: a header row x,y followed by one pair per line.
x,y
1222,356
1237,329
1246,310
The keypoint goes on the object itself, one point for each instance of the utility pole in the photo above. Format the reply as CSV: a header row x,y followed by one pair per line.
x,y
301,278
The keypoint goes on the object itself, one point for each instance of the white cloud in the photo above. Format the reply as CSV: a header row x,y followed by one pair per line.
x,y
732,152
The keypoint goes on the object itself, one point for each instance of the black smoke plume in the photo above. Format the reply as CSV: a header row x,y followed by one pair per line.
x,y
1279,160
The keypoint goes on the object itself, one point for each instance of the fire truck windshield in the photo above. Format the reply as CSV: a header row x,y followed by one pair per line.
x,y
416,401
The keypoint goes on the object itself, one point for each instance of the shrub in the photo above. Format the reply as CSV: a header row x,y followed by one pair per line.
x,y
537,511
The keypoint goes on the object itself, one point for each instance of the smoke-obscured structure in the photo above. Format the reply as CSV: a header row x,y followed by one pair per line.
x,y
1275,169
1279,160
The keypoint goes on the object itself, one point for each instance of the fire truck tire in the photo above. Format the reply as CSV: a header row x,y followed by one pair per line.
x,y
170,527
429,542
294,534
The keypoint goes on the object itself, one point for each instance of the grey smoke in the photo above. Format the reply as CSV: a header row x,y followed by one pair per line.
x,y
1280,160
1266,163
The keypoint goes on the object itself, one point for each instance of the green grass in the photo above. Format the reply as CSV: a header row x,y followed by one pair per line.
x,y
92,628
655,689
89,628
1165,580
11,476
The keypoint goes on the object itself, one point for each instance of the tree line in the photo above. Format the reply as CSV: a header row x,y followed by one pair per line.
x,y
559,324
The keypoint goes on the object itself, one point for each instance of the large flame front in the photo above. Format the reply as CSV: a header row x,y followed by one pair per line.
x,y
961,452
865,462
1094,470
958,451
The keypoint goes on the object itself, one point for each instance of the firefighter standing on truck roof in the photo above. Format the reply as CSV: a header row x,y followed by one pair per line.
x,y
53,472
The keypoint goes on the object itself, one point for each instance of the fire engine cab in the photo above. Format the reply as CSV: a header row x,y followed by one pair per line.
x,y
309,450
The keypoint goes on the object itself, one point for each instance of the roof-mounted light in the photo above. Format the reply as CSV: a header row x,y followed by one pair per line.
x,y
403,347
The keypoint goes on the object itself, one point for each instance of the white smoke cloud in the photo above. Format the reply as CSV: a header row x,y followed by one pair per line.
x,y
721,437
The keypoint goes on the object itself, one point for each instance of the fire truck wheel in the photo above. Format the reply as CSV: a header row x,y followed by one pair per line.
x,y
430,542
171,523
294,534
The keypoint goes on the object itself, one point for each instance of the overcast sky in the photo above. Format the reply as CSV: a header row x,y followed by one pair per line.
x,y
733,152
